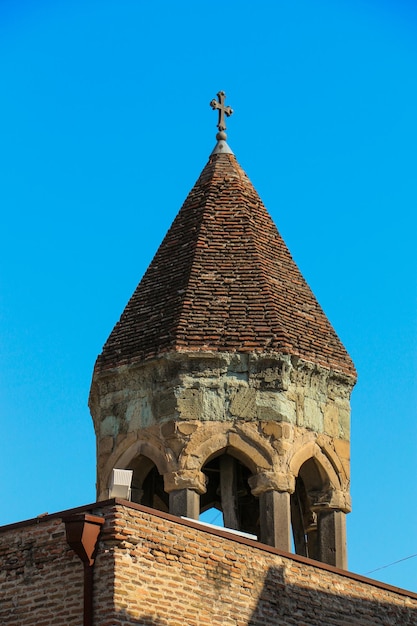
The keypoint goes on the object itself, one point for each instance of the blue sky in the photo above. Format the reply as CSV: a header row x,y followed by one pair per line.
x,y
105,125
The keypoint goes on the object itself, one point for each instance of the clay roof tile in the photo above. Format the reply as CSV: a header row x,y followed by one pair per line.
x,y
223,280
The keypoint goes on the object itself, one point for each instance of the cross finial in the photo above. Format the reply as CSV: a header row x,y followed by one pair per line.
x,y
223,110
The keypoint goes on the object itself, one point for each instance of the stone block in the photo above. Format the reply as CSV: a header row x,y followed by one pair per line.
x,y
344,423
267,373
313,415
271,481
134,413
109,426
342,448
185,479
168,429
272,429
190,404
282,447
213,406
274,406
186,428
243,403
164,404
106,445
331,420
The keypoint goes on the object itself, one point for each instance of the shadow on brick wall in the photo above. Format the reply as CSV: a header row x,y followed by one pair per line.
x,y
282,603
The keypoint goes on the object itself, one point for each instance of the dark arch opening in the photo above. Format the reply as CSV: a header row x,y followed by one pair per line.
x,y
148,484
311,480
228,491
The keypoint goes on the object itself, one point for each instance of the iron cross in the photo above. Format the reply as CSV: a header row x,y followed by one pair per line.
x,y
223,110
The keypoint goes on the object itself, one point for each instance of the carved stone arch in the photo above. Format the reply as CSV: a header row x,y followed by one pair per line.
x,y
334,459
152,450
251,441
228,461
158,454
313,451
193,456
320,500
249,452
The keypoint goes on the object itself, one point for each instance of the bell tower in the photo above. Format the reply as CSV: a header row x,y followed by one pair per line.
x,y
223,384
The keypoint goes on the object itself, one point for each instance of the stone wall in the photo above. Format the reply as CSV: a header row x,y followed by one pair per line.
x,y
276,403
154,569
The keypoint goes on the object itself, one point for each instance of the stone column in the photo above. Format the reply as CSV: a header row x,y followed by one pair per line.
x,y
331,506
274,492
331,530
184,503
228,491
184,488
275,518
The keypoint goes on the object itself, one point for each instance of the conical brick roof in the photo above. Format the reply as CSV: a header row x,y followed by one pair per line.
x,y
223,280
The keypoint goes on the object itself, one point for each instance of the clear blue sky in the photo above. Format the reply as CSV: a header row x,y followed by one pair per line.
x,y
105,125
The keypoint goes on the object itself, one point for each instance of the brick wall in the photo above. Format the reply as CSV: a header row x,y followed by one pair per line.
x,y
177,574
41,579
172,572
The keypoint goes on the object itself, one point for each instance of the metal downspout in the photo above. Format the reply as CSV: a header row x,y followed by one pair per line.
x,y
82,532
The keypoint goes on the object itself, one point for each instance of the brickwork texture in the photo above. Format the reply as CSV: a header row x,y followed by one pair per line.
x,y
41,579
223,280
154,569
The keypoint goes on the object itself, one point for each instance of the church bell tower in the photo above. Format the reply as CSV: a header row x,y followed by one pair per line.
x,y
223,384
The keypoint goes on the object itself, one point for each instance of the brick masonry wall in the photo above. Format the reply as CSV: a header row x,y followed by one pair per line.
x,y
173,573
157,570
41,579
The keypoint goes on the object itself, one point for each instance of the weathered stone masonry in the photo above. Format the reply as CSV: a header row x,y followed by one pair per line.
x,y
273,413
287,397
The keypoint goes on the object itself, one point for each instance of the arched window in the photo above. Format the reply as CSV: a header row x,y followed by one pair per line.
x,y
311,480
148,484
228,491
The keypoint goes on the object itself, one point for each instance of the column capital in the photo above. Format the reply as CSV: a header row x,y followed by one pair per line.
x,y
185,479
271,481
330,499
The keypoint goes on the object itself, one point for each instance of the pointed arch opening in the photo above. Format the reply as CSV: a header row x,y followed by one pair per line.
x,y
148,462
228,492
312,479
148,484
